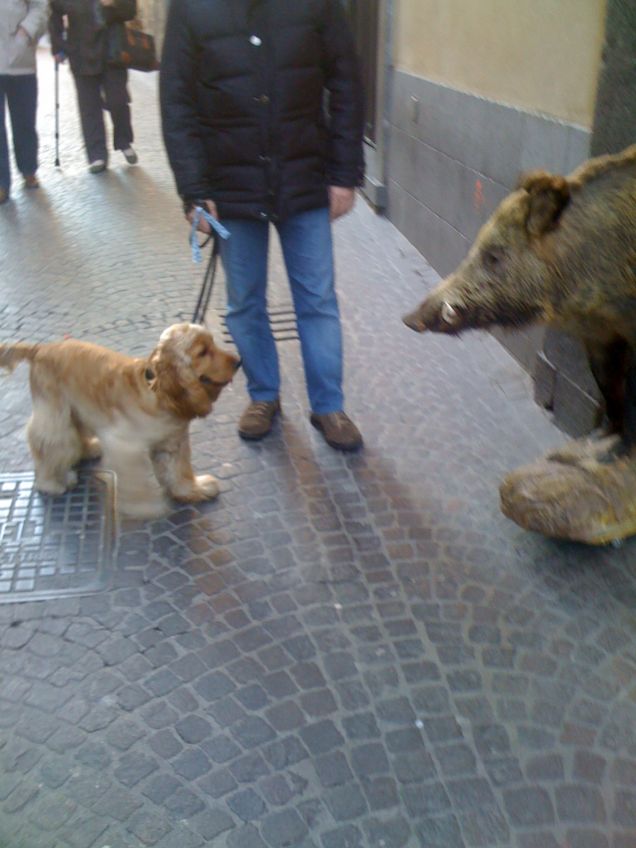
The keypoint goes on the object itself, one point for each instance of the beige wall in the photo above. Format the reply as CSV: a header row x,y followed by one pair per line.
x,y
152,14
539,55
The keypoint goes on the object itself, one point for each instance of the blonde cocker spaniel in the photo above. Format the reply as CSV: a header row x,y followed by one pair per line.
x,y
89,401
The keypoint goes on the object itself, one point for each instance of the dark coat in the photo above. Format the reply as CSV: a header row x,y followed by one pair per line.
x,y
242,87
88,24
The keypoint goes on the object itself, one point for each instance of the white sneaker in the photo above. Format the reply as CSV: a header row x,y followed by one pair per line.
x,y
97,166
130,156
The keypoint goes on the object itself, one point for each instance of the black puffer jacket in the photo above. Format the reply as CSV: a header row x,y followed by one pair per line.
x,y
85,41
243,108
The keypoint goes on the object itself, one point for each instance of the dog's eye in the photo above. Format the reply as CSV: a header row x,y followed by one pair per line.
x,y
201,353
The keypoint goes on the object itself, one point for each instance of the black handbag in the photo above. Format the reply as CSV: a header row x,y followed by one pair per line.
x,y
131,48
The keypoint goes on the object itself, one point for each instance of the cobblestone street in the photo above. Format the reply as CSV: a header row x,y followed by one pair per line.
x,y
341,651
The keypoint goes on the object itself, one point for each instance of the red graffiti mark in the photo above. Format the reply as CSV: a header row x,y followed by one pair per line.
x,y
478,195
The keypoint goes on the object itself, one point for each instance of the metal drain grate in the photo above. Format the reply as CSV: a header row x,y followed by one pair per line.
x,y
282,317
282,320
50,546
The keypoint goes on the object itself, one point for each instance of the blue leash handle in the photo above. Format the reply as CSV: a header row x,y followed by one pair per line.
x,y
218,228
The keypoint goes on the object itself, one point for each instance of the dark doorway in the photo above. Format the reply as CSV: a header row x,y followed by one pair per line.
x,y
364,15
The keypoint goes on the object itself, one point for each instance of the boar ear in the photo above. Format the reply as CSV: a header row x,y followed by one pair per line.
x,y
549,195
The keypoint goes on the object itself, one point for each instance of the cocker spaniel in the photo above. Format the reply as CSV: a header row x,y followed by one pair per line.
x,y
89,401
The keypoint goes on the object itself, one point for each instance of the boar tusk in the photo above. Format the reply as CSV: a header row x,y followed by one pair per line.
x,y
448,313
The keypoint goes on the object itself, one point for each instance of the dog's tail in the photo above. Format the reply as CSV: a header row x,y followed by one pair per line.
x,y
11,354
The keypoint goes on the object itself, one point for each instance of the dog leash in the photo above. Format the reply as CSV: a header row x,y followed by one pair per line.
x,y
218,232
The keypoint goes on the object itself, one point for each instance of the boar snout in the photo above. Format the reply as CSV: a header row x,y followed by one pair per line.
x,y
414,322
438,316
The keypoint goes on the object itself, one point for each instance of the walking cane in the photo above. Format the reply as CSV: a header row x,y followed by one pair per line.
x,y
57,114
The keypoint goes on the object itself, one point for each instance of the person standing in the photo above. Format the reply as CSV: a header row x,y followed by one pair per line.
x,y
262,117
98,84
22,22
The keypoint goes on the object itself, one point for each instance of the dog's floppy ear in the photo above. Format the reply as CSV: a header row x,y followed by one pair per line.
x,y
176,385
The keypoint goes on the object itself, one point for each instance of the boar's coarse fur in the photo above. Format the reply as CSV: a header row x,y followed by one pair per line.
x,y
561,251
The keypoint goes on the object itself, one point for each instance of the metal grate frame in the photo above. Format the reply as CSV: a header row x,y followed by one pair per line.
x,y
54,546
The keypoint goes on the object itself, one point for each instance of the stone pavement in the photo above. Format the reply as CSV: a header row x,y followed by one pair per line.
x,y
341,651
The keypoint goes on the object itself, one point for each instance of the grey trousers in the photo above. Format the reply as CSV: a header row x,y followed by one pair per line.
x,y
95,93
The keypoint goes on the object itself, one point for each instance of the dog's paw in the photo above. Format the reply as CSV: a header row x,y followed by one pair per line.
x,y
207,485
204,488
50,487
91,449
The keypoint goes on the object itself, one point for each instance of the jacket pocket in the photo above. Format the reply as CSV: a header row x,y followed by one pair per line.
x,y
21,53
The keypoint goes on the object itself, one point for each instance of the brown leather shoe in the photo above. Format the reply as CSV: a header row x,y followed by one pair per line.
x,y
257,419
31,181
338,429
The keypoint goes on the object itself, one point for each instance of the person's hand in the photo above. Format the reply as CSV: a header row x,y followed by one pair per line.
x,y
341,201
107,2
203,226
59,57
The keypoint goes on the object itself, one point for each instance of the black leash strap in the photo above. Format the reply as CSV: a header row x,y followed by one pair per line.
x,y
208,281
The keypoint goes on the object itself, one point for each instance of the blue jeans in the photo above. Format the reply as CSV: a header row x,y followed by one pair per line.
x,y
20,93
308,253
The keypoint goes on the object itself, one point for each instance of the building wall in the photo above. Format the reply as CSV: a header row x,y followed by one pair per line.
x,y
152,14
480,92
541,56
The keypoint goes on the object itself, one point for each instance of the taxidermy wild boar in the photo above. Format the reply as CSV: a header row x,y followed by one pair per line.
x,y
561,251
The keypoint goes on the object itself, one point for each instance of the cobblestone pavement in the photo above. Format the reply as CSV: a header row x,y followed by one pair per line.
x,y
341,651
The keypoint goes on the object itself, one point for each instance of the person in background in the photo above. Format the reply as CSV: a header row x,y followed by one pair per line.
x,y
80,29
22,22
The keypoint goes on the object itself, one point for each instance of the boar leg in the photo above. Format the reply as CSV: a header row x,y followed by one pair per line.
x,y
608,363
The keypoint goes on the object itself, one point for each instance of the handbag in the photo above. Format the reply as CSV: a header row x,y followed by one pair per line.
x,y
131,48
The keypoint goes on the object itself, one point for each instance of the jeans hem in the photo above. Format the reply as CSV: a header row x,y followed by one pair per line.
x,y
327,410
259,398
